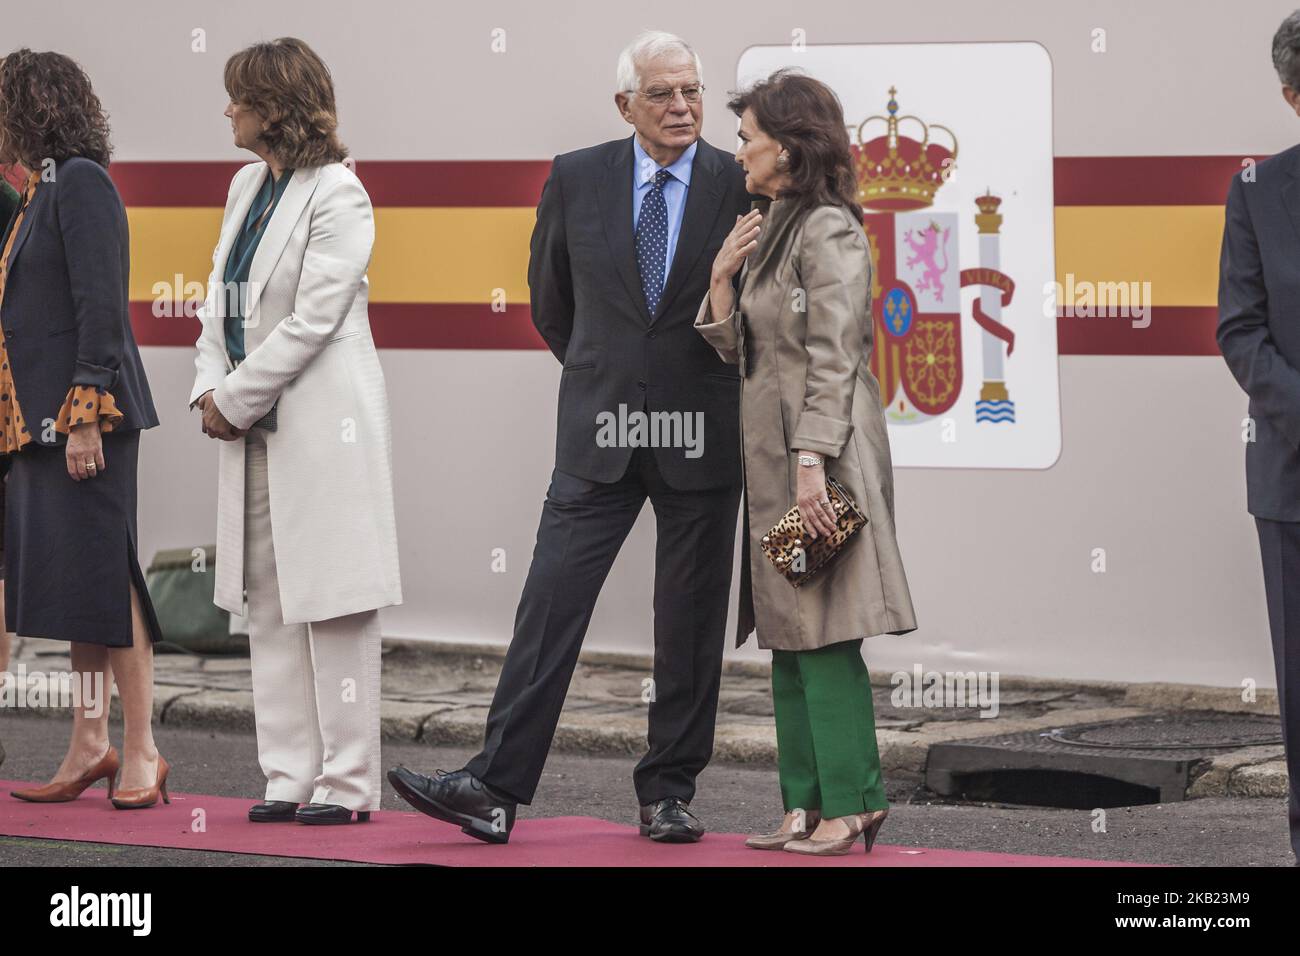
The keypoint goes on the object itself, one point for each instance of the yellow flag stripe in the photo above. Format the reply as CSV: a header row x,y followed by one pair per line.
x,y
1175,248
471,254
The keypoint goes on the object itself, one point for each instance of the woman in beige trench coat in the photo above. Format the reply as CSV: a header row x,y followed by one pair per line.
x,y
810,407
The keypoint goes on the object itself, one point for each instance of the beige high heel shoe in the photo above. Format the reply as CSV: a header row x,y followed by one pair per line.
x,y
858,823
779,838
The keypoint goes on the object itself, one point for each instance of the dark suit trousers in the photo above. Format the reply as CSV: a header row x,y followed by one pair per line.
x,y
583,526
1279,543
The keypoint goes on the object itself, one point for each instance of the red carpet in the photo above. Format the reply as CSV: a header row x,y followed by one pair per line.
x,y
200,822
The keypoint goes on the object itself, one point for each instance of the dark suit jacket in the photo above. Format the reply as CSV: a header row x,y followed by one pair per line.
x,y
65,315
588,304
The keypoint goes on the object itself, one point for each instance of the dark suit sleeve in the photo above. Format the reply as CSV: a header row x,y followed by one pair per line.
x,y
89,214
550,283
1272,382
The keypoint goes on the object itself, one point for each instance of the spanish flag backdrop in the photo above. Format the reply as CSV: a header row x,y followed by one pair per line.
x,y
446,232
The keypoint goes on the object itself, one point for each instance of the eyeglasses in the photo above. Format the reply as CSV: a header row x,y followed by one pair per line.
x,y
662,97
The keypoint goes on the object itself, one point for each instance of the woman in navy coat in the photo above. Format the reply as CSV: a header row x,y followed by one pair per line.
x,y
73,400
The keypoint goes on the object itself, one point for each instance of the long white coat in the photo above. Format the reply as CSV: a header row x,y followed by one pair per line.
x,y
308,345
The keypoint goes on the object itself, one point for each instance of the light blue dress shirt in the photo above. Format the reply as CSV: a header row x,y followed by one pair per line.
x,y
643,174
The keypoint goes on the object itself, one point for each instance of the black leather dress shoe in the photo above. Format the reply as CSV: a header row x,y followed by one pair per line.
x,y
458,797
328,814
272,811
669,821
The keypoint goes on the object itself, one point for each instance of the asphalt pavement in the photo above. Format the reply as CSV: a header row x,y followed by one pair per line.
x,y
735,797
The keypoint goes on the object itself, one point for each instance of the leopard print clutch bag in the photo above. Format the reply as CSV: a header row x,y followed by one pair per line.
x,y
796,554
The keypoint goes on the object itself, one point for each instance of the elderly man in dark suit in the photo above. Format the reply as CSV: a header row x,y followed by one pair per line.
x,y
621,256
1259,335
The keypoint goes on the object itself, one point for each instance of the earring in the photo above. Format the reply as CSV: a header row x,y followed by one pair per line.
x,y
783,161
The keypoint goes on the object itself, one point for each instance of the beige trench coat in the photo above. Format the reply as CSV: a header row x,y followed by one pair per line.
x,y
801,335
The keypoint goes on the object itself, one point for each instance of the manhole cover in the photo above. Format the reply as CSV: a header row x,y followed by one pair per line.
x,y
1203,731
1143,759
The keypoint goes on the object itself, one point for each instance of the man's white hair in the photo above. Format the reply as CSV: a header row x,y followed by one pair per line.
x,y
647,46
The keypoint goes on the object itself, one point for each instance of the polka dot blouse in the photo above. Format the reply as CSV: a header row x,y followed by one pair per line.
x,y
84,403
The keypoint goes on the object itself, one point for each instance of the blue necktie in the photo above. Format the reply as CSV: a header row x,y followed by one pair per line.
x,y
652,241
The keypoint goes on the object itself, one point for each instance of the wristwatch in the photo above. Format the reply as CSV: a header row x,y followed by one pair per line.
x,y
811,461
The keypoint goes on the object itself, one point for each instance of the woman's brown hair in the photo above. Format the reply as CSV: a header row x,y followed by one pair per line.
x,y
804,115
290,86
48,110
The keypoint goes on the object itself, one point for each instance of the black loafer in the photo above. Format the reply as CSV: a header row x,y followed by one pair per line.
x,y
459,798
272,811
328,814
669,821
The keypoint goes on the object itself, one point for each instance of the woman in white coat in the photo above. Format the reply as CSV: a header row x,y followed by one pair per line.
x,y
289,381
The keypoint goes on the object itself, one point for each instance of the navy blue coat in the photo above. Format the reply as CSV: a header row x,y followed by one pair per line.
x,y
65,315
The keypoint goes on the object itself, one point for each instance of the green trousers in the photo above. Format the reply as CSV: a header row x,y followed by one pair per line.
x,y
826,731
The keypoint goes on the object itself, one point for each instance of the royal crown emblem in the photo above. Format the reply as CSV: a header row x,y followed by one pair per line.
x,y
900,173
917,278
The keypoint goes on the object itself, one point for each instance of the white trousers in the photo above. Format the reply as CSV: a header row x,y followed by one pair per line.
x,y
315,686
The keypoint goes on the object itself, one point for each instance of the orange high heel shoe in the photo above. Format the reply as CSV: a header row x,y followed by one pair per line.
x,y
136,798
69,790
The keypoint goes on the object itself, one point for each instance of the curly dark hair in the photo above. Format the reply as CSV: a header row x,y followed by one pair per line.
x,y
48,110
805,116
290,86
